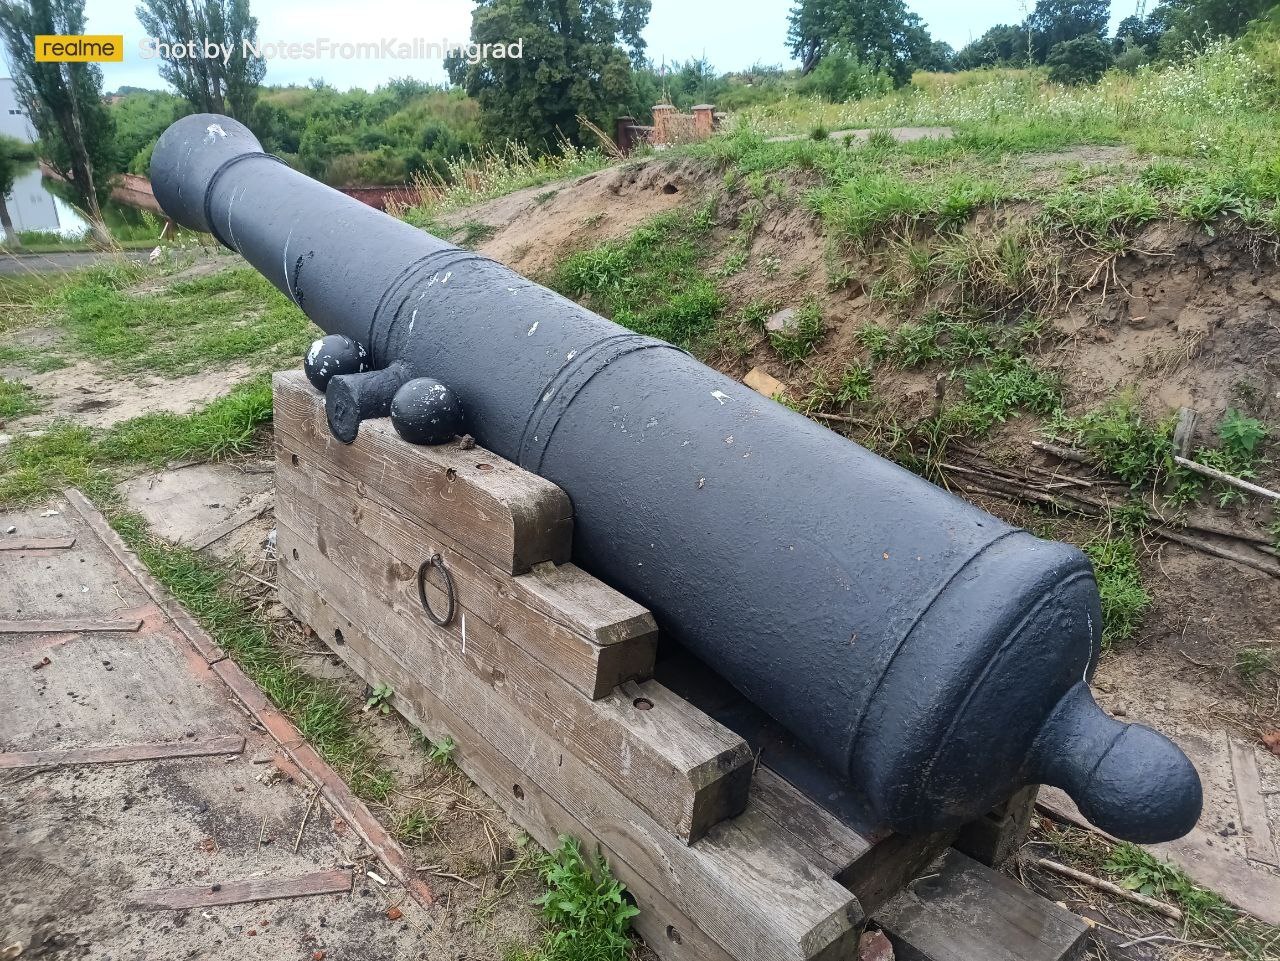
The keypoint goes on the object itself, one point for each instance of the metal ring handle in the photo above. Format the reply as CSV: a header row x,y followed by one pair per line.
x,y
437,562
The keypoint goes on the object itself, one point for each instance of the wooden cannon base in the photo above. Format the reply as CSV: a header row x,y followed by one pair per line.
x,y
543,678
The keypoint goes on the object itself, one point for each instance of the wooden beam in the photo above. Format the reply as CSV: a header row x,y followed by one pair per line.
x,y
750,890
587,633
663,926
243,892
1259,845
124,753
964,911
508,516
183,621
36,543
686,770
72,626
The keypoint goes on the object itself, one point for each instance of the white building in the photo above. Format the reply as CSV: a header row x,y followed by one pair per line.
x,y
13,118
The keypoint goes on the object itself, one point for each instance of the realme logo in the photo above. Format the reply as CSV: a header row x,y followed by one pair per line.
x,y
53,49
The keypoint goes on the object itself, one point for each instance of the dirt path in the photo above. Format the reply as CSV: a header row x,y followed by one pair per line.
x,y
149,852
16,264
144,813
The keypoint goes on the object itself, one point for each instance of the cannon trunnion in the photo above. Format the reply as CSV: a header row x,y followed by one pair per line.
x,y
932,655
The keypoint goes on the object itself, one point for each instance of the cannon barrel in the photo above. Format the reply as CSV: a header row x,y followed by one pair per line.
x,y
933,655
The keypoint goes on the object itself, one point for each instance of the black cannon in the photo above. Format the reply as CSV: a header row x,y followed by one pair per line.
x,y
933,655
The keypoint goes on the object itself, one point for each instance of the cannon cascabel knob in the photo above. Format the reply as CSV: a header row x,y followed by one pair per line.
x,y
352,398
425,411
1127,779
330,356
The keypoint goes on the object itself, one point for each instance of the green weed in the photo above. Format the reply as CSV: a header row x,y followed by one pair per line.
x,y
415,826
379,698
16,400
651,281
1252,662
799,340
584,907
1207,916
1120,439
1124,600
441,752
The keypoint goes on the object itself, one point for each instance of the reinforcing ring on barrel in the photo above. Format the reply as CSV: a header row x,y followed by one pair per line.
x,y
437,562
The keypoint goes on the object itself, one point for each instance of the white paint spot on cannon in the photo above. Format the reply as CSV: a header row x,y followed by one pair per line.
x,y
413,318
532,329
720,396
214,131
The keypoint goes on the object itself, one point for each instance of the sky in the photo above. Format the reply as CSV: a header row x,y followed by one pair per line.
x,y
731,34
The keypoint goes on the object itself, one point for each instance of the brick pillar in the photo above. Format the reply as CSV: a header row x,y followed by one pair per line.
x,y
661,111
703,121
622,133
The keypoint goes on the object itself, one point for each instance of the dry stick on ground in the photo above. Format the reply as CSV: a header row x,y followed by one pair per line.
x,y
1084,505
1225,478
1168,910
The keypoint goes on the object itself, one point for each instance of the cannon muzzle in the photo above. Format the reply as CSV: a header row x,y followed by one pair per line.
x,y
931,654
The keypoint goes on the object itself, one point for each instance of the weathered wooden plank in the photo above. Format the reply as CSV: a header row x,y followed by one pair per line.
x,y
337,881
673,934
683,768
544,611
20,543
566,592
124,625
825,839
327,781
510,517
128,560
964,911
755,894
1252,890
124,753
1258,842
993,839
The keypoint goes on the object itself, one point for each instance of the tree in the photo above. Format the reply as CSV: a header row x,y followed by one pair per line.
x,y
209,84
1055,21
1003,43
880,33
1199,19
576,60
1082,60
63,100
7,173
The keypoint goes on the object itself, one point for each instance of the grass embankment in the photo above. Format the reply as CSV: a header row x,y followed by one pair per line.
x,y
974,306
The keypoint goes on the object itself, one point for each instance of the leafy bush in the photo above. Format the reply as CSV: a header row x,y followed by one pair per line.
x,y
840,76
585,907
1082,60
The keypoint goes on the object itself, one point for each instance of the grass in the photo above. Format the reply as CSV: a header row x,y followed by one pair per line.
x,y
585,908
188,326
1206,915
1121,439
1124,600
16,400
493,173
802,335
68,454
652,280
